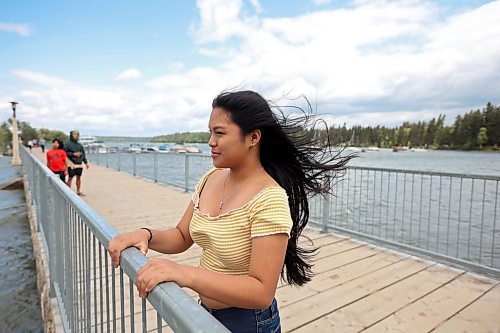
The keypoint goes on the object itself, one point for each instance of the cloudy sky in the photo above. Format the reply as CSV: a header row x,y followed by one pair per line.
x,y
151,67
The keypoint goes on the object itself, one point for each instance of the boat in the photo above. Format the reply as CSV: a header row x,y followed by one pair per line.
x,y
164,149
418,150
133,148
179,149
113,150
87,140
149,148
94,145
193,150
398,149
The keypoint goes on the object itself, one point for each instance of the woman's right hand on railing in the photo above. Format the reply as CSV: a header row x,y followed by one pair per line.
x,y
138,239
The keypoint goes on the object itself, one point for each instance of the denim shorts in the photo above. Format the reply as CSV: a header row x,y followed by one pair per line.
x,y
239,320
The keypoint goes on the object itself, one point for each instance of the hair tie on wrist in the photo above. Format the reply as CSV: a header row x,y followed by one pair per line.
x,y
150,234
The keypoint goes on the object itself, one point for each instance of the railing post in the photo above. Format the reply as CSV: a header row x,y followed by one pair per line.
x,y
325,207
134,163
107,158
119,166
155,177
49,229
186,173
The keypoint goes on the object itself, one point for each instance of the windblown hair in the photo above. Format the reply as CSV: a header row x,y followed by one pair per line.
x,y
291,153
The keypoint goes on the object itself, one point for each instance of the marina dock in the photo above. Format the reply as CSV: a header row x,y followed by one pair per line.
x,y
358,287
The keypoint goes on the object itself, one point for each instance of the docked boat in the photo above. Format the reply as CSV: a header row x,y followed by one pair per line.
x,y
92,144
87,140
398,149
178,149
149,148
133,148
418,150
164,149
193,150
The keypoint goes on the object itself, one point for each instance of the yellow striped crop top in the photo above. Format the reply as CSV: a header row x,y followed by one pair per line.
x,y
226,238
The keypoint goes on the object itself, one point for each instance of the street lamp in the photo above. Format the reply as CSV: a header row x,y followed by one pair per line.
x,y
16,160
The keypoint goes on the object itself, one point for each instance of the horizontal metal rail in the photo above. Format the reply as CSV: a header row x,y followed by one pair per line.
x,y
452,216
92,295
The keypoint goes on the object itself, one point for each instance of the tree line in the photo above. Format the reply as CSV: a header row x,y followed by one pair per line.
x,y
182,137
477,129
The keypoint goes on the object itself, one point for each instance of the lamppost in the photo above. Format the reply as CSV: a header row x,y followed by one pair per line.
x,y
16,160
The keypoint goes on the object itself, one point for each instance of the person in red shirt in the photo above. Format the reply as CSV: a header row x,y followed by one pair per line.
x,y
57,159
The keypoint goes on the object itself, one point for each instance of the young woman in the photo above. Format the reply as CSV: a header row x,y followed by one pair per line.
x,y
247,214
57,160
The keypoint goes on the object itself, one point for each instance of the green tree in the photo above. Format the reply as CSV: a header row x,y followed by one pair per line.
x,y
482,137
5,137
27,132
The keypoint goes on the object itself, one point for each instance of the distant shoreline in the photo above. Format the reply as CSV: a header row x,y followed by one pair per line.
x,y
154,139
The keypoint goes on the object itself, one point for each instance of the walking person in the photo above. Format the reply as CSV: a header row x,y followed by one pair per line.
x,y
247,214
41,142
30,145
76,159
57,160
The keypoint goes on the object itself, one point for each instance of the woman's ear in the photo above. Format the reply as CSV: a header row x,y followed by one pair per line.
x,y
255,137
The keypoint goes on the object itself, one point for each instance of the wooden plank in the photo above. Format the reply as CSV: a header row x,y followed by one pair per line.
x,y
318,305
288,295
431,310
365,312
483,315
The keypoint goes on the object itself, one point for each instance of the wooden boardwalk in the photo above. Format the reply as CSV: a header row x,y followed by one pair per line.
x,y
357,287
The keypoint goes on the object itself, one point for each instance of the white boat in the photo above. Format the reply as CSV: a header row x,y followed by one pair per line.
x,y
372,148
193,150
418,150
86,140
92,144
178,149
149,148
133,148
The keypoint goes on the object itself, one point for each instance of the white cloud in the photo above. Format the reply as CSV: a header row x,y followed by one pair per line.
x,y
256,5
375,62
129,74
20,29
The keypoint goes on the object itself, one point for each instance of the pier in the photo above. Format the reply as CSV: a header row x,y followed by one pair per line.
x,y
359,286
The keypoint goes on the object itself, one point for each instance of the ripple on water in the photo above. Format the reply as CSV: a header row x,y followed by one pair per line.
x,y
19,298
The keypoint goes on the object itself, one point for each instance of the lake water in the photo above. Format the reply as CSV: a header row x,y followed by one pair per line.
x,y
19,300
467,162
451,212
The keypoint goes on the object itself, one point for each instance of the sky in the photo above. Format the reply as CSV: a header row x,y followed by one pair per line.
x,y
141,68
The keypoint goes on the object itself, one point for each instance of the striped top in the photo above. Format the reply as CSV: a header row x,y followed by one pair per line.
x,y
226,238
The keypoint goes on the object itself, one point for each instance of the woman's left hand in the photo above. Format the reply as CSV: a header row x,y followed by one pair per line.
x,y
155,272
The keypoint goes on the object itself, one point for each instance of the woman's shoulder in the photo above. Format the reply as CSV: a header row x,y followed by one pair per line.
x,y
203,180
269,196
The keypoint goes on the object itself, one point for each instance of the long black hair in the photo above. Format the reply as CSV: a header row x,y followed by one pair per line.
x,y
291,153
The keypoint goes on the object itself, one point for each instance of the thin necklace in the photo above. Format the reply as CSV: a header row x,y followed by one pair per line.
x,y
222,201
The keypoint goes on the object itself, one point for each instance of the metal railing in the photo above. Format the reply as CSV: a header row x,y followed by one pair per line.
x,y
92,295
453,217
179,170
